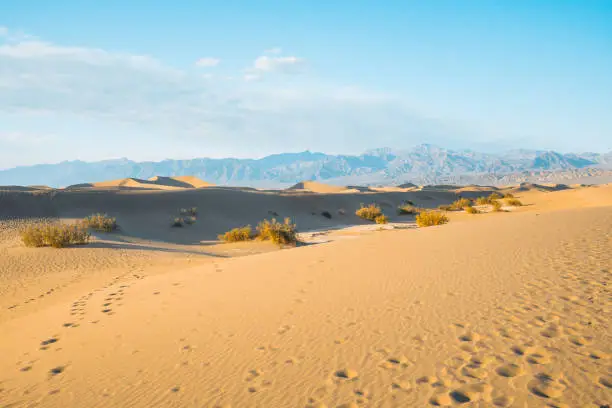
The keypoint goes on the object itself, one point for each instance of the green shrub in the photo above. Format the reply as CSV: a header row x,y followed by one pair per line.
x,y
483,200
238,234
497,206
515,202
430,218
471,210
193,211
55,235
280,233
100,222
369,213
381,219
178,222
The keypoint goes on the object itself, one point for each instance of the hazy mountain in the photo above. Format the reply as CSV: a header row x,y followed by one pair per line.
x,y
423,163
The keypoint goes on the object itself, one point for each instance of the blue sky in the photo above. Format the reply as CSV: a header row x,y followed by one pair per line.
x,y
150,80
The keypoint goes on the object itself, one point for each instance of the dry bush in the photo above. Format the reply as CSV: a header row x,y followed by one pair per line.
x,y
408,209
495,196
471,210
483,200
508,195
178,222
193,211
461,204
100,222
430,218
381,219
189,220
280,233
515,202
55,235
238,234
497,206
369,213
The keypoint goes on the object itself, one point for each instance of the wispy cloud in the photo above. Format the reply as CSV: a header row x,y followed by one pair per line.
x,y
208,62
274,50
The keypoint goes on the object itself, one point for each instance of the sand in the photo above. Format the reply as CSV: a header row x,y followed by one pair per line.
x,y
498,309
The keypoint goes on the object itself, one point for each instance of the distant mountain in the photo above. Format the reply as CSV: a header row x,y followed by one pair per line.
x,y
422,164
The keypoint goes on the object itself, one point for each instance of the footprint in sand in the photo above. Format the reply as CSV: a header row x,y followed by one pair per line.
x,y
509,370
545,386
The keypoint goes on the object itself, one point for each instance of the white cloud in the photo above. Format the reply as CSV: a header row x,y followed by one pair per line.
x,y
85,94
275,50
3,31
208,62
276,64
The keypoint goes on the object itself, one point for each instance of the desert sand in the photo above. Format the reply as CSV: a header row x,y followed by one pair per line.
x,y
505,309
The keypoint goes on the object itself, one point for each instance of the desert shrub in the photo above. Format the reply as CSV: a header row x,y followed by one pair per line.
x,y
326,214
497,206
408,209
381,219
178,222
508,195
237,234
55,235
369,213
280,233
430,218
515,202
483,200
189,220
495,196
446,207
471,210
461,204
193,211
100,222
407,202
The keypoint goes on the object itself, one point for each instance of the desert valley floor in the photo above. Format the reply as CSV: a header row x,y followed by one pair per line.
x,y
507,309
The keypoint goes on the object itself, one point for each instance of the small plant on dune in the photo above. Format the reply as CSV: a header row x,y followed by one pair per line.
x,y
55,235
408,209
189,220
495,196
326,214
178,222
193,211
381,219
471,210
461,204
369,213
508,195
100,222
497,206
237,234
431,218
514,202
446,207
280,233
483,200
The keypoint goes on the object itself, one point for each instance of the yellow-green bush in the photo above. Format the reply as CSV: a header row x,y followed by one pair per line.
x,y
515,202
431,218
237,234
370,212
508,195
280,233
55,235
495,196
381,219
100,222
497,206
461,204
483,200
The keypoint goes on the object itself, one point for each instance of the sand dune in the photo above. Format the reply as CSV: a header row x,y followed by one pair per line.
x,y
317,187
156,182
501,309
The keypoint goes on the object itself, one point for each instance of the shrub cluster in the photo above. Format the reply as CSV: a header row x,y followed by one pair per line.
x,y
381,219
284,233
515,202
472,210
431,218
193,211
188,216
408,209
100,222
370,212
237,234
55,235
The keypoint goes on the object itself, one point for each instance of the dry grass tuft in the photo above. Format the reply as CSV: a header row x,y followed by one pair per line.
x,y
369,213
431,218
471,210
100,222
497,206
408,209
237,234
55,235
515,202
280,233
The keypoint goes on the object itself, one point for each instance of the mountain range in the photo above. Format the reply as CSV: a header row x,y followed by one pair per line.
x,y
422,164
